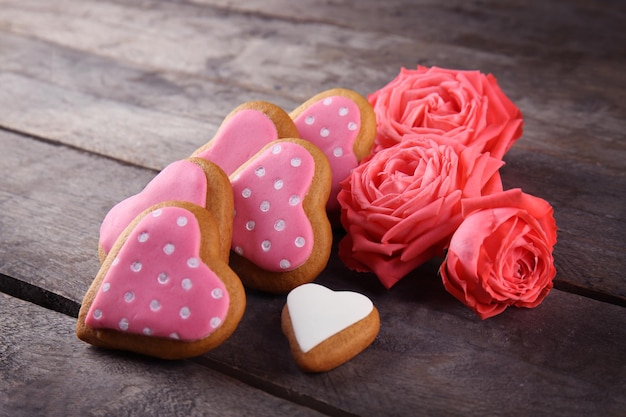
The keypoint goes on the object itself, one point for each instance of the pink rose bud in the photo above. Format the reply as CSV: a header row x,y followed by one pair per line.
x,y
501,254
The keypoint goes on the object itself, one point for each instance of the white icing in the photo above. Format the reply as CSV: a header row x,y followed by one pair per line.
x,y
215,322
143,237
324,132
182,221
123,324
193,262
135,266
163,278
185,312
279,225
318,313
294,200
155,305
168,249
186,284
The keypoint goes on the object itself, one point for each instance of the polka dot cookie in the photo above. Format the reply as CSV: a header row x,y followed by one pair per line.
x,y
193,180
342,124
327,328
247,129
281,233
165,288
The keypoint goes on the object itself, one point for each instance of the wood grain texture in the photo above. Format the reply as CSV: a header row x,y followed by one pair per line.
x,y
431,348
46,371
97,96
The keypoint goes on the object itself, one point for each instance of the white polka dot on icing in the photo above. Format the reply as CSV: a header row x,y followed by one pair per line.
x,y
264,206
337,152
309,120
217,293
184,312
352,126
279,225
324,132
215,322
193,262
155,305
239,250
186,284
294,200
163,278
343,111
182,221
157,213
129,296
116,261
174,336
284,263
276,149
106,286
97,314
135,266
266,245
123,324
168,249
278,184
246,193
328,101
296,162
147,331
300,241
250,224
260,171
143,237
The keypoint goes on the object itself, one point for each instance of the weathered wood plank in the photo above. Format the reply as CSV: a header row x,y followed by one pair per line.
x,y
566,101
563,357
512,28
45,370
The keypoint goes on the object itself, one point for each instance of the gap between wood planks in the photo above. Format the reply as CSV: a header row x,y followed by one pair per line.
x,y
50,300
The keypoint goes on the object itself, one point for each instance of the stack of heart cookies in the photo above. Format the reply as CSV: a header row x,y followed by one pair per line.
x,y
250,208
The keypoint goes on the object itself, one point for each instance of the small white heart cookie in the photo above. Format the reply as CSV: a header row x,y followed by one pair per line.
x,y
327,328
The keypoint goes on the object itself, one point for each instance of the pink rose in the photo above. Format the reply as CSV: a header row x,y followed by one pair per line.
x,y
466,105
501,255
402,204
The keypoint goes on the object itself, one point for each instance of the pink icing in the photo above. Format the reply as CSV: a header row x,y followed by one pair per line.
x,y
271,228
239,138
158,285
332,124
181,180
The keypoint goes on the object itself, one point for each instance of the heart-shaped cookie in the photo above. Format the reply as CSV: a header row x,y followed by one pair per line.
x,y
342,124
165,289
326,328
281,234
247,129
193,180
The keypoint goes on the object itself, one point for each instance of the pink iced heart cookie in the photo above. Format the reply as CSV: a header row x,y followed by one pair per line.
x,y
326,328
165,289
193,180
342,124
281,233
246,130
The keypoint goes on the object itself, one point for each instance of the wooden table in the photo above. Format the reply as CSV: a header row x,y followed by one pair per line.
x,y
97,96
